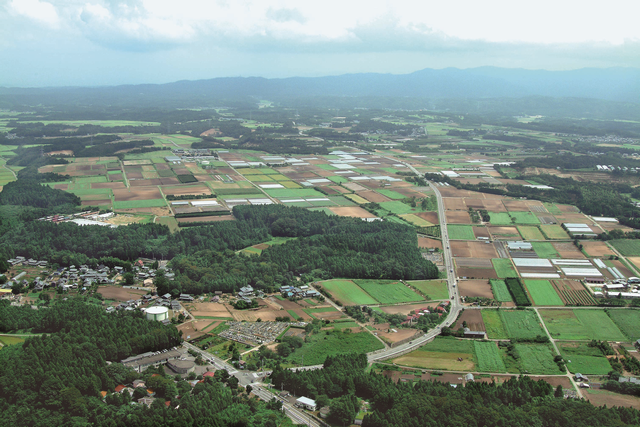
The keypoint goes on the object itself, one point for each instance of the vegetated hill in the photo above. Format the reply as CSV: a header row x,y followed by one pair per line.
x,y
612,84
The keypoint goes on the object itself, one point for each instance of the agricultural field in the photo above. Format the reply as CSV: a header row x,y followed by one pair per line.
x,y
433,289
581,324
494,325
537,359
500,218
9,340
332,342
524,218
628,321
545,250
442,353
398,208
500,291
554,232
504,268
388,291
489,357
460,232
542,292
627,247
347,292
521,324
586,360
530,232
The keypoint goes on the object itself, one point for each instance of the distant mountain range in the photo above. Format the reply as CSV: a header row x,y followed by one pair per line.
x,y
612,84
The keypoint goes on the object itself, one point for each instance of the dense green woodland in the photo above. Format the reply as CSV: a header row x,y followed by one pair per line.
x,y
55,379
517,402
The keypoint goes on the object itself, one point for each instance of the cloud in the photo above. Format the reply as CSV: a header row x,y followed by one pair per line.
x,y
286,15
40,11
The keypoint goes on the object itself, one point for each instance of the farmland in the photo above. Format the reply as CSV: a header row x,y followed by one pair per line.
x,y
542,292
442,353
493,324
388,291
536,359
554,232
504,268
500,291
586,360
460,232
581,324
434,289
523,324
545,250
517,291
626,247
332,342
347,292
628,321
488,356
530,233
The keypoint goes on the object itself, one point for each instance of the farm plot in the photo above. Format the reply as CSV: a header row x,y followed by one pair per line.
x,y
510,233
331,343
388,291
568,250
426,242
521,324
489,357
347,292
542,292
500,218
536,359
493,324
581,324
473,249
586,360
504,268
529,232
473,319
596,249
554,232
442,353
628,321
398,208
475,288
626,247
572,292
119,293
432,289
458,217
500,291
545,250
460,232
354,212
524,218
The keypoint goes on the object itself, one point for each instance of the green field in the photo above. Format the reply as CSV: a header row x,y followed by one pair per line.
x,y
287,193
545,250
399,208
500,218
504,268
347,292
489,357
537,359
433,289
329,343
131,204
524,218
554,232
388,291
9,340
500,291
494,325
460,232
579,357
394,195
542,292
626,247
529,232
581,324
628,321
521,323
294,315
441,353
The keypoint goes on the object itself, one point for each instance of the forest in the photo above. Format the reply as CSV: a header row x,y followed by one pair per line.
x,y
56,378
517,402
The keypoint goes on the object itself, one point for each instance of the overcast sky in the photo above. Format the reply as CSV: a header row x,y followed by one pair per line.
x,y
106,42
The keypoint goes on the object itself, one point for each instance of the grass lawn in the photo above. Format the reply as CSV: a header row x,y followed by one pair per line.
x,y
529,232
493,324
626,247
347,292
460,232
8,340
489,357
537,359
441,353
628,321
521,323
581,324
500,291
139,204
388,291
554,232
543,292
500,218
392,194
504,268
545,250
524,218
433,289
399,208
330,343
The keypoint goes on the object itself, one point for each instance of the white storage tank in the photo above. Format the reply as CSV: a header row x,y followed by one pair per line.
x,y
157,313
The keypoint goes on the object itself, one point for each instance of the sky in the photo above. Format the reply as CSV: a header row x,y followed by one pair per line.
x,y
112,42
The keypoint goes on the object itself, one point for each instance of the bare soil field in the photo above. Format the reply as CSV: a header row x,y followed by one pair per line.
x,y
208,309
471,249
454,192
192,330
425,242
609,227
373,197
432,217
164,211
513,181
409,192
338,189
115,177
635,260
454,203
473,319
596,249
354,211
394,337
470,180
474,203
97,202
475,288
515,205
152,182
120,294
354,187
494,205
602,397
509,231
547,218
458,217
481,232
568,208
478,273
63,187
327,190
568,250
107,185
473,263
213,218
406,308
123,195
624,270
192,189
574,217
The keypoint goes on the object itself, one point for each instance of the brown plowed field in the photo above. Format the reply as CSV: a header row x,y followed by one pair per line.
x,y
596,249
373,197
61,187
458,217
153,182
568,208
610,226
454,203
409,192
327,190
108,185
425,242
481,232
98,202
479,273
354,211
568,250
208,309
473,263
123,195
407,308
611,399
432,217
472,181
473,319
515,205
393,337
115,177
338,189
475,288
119,293
494,205
134,175
474,203
454,192
180,191
504,231
574,217
470,249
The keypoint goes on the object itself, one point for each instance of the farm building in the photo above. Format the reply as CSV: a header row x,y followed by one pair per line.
x,y
623,295
468,333
306,403
614,286
594,279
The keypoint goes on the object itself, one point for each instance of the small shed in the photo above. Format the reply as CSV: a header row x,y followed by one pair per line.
x,y
306,403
